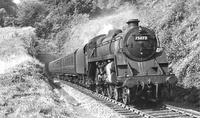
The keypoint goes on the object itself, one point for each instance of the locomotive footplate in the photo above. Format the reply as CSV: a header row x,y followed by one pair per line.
x,y
147,88
154,79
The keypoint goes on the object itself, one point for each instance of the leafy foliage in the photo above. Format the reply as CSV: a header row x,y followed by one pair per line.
x,y
9,6
55,28
30,12
177,26
43,30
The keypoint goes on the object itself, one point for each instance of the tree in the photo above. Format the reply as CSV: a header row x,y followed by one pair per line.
x,y
9,6
3,14
30,12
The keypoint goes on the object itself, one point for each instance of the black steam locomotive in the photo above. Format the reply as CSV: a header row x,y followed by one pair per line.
x,y
124,65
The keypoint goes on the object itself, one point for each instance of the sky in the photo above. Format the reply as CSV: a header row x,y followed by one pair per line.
x,y
16,1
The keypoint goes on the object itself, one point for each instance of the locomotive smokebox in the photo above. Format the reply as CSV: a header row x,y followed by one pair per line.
x,y
133,23
139,43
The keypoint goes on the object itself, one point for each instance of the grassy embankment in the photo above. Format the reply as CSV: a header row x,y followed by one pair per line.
x,y
24,92
176,24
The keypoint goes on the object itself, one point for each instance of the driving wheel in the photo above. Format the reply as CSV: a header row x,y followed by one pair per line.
x,y
116,93
110,91
126,95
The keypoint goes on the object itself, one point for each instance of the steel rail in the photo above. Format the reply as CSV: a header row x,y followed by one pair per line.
x,y
168,112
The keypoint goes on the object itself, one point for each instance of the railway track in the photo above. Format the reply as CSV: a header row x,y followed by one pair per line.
x,y
129,111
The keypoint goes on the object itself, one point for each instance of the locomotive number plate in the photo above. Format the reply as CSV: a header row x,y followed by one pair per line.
x,y
141,38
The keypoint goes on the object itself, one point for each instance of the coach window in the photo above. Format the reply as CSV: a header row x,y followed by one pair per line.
x,y
71,60
65,61
68,61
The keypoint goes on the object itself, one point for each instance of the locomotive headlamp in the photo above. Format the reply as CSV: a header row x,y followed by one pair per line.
x,y
149,81
172,80
159,49
140,29
128,91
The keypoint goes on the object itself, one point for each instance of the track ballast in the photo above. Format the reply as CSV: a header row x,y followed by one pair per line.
x,y
129,111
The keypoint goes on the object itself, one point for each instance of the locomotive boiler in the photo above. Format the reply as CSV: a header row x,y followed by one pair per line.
x,y
124,65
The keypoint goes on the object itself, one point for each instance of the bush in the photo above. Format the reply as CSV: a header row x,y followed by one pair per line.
x,y
30,12
176,25
43,30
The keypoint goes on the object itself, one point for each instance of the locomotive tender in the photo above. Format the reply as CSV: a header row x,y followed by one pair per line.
x,y
124,65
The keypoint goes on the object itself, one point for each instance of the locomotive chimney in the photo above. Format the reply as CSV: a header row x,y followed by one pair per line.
x,y
133,23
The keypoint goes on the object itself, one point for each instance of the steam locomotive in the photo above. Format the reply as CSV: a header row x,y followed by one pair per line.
x,y
124,65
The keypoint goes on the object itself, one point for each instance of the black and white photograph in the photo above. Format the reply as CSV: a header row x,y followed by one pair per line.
x,y
99,58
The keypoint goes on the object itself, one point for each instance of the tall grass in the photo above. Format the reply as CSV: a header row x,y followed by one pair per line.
x,y
12,51
24,91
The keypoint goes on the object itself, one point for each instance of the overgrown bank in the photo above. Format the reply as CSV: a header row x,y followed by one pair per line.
x,y
176,24
25,91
